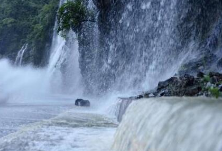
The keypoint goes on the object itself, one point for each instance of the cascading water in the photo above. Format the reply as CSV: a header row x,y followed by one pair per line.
x,y
133,46
143,42
171,124
63,69
19,58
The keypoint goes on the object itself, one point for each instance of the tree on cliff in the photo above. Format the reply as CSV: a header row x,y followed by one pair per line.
x,y
71,15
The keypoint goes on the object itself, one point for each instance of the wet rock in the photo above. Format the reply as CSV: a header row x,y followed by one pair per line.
x,y
149,94
162,93
220,88
104,4
187,80
81,102
216,74
193,91
219,63
139,97
200,74
164,84
200,64
146,95
186,85
213,80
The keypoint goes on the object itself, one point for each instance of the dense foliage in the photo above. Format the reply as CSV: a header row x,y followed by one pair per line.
x,y
26,21
71,15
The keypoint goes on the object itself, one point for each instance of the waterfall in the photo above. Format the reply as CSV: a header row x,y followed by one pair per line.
x,y
63,66
61,76
171,124
146,41
63,69
19,58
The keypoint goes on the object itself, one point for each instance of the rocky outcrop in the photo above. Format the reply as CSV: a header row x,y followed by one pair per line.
x,y
179,86
81,102
201,85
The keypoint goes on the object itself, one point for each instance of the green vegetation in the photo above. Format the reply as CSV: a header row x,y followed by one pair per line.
x,y
206,78
215,92
209,88
71,15
26,21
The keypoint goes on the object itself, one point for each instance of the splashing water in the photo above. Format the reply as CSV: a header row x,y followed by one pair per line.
x,y
61,76
63,68
18,82
71,131
19,58
27,94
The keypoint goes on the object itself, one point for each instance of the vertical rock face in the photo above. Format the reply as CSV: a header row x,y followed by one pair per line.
x,y
138,43
104,4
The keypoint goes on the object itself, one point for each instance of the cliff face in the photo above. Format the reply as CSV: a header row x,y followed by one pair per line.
x,y
135,44
27,22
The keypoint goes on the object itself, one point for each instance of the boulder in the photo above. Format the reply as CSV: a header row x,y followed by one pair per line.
x,y
81,102
186,85
165,84
200,74
220,88
187,80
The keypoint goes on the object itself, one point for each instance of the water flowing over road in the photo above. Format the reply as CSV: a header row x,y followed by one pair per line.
x,y
171,124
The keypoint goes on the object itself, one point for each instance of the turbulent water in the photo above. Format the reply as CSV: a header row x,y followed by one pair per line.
x,y
171,124
71,131
133,45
